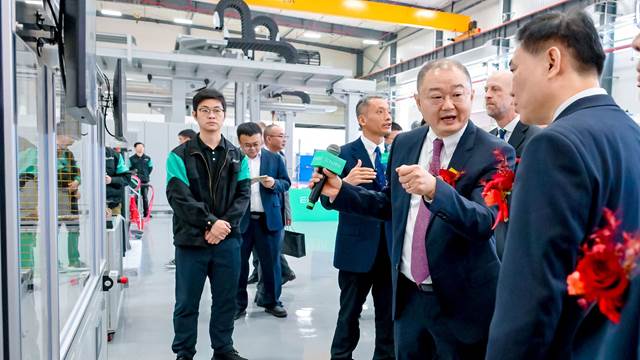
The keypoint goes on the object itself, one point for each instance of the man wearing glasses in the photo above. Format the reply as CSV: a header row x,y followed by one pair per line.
x,y
275,141
208,190
263,224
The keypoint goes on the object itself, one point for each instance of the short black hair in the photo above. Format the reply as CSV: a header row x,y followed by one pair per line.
x,y
364,102
137,143
442,64
248,129
574,30
206,94
395,126
188,133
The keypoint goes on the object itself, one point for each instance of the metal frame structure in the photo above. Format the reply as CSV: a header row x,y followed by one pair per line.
x,y
503,31
188,67
10,300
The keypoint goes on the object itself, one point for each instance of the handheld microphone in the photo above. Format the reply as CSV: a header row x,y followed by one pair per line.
x,y
325,160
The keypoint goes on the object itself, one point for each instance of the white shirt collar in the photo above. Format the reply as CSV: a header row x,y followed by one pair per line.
x,y
512,124
370,146
576,97
451,141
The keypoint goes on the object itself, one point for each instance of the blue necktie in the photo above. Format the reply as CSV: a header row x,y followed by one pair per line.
x,y
380,179
502,133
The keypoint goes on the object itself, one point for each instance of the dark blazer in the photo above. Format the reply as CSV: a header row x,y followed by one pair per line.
x,y
272,165
358,237
522,134
585,161
460,244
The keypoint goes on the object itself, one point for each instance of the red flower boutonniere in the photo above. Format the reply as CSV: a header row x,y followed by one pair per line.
x,y
497,190
450,176
605,269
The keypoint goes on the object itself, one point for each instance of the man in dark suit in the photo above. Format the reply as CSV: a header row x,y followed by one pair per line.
x,y
499,104
583,162
275,141
443,259
262,224
361,253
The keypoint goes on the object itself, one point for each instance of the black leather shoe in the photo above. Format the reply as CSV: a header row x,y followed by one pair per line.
x,y
240,314
277,311
290,277
231,355
253,278
183,358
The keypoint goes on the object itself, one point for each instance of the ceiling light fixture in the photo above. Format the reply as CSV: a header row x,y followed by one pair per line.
x,y
33,2
370,42
427,14
183,21
312,35
108,12
355,4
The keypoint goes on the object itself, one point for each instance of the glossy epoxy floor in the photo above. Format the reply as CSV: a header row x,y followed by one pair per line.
x,y
146,329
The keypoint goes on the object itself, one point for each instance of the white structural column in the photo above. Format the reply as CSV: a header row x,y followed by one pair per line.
x,y
240,103
254,102
351,121
178,96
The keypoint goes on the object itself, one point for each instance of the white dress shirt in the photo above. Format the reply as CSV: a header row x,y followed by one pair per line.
x,y
450,143
370,146
576,97
510,127
254,171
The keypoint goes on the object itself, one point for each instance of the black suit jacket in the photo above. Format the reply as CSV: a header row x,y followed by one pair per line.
x,y
358,237
459,241
585,161
522,134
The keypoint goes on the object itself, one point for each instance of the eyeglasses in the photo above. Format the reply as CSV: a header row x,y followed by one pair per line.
x,y
280,136
216,111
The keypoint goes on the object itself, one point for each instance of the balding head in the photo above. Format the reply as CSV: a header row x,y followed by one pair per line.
x,y
275,138
498,97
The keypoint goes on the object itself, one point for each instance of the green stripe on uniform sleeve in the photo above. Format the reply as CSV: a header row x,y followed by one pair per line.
x,y
244,169
150,163
122,168
176,169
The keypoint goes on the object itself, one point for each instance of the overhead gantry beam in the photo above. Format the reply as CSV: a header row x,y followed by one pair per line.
x,y
281,20
390,13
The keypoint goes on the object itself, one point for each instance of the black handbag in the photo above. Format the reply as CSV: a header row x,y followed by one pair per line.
x,y
293,244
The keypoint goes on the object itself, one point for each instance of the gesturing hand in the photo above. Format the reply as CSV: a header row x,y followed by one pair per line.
x,y
360,175
416,180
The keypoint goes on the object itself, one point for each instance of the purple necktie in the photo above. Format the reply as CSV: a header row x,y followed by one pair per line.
x,y
419,261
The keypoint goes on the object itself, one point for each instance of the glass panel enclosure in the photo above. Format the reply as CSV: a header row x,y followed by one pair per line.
x,y
32,223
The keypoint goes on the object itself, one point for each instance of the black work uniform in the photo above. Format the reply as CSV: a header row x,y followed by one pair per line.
x,y
205,185
143,168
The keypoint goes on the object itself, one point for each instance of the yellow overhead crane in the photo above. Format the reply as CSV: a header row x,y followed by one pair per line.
x,y
373,11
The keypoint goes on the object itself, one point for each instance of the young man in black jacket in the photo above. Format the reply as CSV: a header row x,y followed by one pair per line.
x,y
143,166
208,190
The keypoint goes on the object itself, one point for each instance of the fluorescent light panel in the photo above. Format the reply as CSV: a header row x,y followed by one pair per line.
x,y
312,35
183,21
370,42
108,12
33,2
